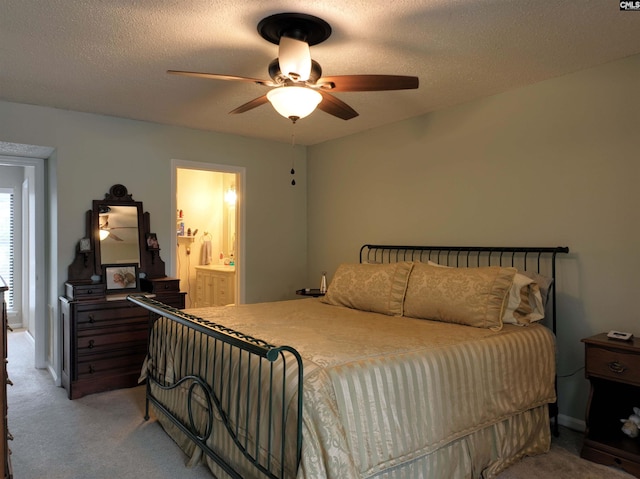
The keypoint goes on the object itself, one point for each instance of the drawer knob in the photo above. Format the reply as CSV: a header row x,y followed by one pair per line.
x,y
91,370
616,367
91,320
91,344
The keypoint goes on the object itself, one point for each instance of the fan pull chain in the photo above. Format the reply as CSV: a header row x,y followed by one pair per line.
x,y
293,144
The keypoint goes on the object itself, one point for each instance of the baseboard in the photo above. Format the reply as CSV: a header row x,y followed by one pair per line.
x,y
572,423
16,325
56,378
20,329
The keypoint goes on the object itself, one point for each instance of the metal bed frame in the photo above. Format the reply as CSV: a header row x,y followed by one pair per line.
x,y
540,260
227,347
234,351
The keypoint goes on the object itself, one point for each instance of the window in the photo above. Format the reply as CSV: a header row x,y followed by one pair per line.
x,y
6,242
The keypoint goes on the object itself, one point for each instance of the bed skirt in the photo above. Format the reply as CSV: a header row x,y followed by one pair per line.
x,y
481,454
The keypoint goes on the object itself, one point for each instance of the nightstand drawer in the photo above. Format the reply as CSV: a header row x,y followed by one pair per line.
x,y
613,364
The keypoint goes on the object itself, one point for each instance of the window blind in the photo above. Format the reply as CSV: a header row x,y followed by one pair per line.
x,y
6,244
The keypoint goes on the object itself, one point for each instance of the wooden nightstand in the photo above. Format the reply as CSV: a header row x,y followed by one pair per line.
x,y
613,368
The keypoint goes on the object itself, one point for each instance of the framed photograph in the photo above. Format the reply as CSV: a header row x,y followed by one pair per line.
x,y
85,245
152,241
120,278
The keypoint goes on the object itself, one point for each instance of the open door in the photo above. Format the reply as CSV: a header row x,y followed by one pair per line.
x,y
209,245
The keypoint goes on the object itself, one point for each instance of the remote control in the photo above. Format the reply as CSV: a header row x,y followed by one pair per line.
x,y
621,335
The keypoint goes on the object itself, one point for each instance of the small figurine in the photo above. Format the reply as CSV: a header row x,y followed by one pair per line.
x,y
631,425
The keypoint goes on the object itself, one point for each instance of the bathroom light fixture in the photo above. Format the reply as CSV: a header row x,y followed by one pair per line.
x,y
230,196
294,102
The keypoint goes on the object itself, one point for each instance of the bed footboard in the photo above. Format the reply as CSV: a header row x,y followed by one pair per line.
x,y
230,385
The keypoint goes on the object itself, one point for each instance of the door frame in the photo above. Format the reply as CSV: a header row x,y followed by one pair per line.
x,y
34,254
240,172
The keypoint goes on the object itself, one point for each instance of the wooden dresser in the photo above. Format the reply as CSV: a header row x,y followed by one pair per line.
x,y
105,337
215,285
4,431
613,369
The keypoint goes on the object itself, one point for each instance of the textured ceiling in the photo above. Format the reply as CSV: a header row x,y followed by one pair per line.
x,y
110,57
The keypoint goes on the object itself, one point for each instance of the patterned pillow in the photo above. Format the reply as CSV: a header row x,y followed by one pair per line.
x,y
471,296
370,287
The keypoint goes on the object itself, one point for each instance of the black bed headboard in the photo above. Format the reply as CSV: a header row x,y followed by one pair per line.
x,y
540,260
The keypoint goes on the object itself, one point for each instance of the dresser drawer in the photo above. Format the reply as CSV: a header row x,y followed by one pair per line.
x,y
84,290
88,317
613,364
96,343
158,285
101,366
173,299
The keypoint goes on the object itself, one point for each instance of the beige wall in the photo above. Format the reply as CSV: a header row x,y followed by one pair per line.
x,y
551,164
93,152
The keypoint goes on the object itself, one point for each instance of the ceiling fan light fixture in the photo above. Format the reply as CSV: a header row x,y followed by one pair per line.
x,y
296,79
103,234
294,102
294,58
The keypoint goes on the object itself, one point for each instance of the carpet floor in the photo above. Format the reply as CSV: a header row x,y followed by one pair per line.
x,y
104,435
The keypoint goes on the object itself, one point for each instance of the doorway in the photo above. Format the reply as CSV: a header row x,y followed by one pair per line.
x,y
25,177
208,252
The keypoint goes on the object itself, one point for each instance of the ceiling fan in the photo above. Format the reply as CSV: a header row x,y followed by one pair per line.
x,y
297,85
105,231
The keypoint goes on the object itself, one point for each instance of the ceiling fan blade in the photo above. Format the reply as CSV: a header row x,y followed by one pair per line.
x,y
250,105
114,237
215,76
332,105
367,83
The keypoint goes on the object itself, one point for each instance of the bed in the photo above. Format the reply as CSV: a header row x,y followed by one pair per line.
x,y
435,362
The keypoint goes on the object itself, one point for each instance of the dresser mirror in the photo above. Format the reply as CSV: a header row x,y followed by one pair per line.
x,y
117,232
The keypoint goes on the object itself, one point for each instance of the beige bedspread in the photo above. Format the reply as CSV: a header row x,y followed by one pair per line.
x,y
383,393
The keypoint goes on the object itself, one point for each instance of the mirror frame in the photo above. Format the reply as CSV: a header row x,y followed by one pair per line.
x,y
87,264
117,196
